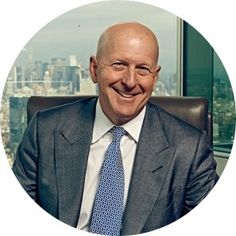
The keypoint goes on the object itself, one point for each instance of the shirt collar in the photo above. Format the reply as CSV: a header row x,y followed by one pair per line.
x,y
102,124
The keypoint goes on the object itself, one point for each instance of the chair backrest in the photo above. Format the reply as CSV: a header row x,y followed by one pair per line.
x,y
193,110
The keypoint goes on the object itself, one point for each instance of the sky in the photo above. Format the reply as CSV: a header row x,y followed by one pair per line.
x,y
76,32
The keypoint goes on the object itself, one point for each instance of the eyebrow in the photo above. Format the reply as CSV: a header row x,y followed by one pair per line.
x,y
125,60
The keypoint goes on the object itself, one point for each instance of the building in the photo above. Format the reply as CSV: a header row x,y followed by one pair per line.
x,y
17,121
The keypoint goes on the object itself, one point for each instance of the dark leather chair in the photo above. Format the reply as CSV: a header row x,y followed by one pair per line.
x,y
193,110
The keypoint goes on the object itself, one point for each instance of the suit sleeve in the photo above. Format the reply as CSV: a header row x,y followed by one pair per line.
x,y
25,164
202,176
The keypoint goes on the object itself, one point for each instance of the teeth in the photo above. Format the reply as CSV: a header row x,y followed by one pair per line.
x,y
125,95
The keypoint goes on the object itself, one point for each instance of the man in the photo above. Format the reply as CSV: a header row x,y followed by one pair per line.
x,y
168,164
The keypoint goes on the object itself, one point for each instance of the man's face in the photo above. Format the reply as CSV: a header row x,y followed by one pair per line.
x,y
126,74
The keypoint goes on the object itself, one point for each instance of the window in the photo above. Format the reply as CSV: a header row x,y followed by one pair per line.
x,y
224,116
55,61
204,75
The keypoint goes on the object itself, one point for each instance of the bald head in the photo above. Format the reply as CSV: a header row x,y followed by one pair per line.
x,y
127,31
125,70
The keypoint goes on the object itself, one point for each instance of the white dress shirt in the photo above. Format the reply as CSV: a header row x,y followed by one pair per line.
x,y
101,139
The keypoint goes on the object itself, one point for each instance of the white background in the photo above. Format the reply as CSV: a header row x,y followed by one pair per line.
x,y
20,20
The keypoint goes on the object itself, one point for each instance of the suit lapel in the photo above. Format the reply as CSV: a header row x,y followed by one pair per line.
x,y
151,165
72,145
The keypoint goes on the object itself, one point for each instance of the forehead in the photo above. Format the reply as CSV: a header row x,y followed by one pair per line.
x,y
131,47
127,35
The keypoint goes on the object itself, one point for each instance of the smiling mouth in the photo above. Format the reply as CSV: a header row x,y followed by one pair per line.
x,y
124,95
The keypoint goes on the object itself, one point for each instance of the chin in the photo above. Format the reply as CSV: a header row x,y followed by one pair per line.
x,y
124,117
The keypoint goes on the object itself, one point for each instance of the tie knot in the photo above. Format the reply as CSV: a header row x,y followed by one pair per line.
x,y
118,132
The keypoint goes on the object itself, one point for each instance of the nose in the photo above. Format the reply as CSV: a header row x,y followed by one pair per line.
x,y
129,78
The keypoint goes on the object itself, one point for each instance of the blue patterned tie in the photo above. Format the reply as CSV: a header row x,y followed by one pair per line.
x,y
108,205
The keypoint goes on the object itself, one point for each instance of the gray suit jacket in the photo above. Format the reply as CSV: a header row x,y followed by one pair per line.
x,y
173,169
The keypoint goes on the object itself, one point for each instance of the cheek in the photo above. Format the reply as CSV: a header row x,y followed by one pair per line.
x,y
106,79
147,86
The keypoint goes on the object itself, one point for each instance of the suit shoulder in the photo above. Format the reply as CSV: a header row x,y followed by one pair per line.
x,y
68,112
173,124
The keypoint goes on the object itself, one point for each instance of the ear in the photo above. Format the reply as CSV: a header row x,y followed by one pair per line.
x,y
158,68
93,64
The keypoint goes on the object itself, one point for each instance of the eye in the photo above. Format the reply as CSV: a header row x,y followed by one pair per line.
x,y
119,66
143,70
